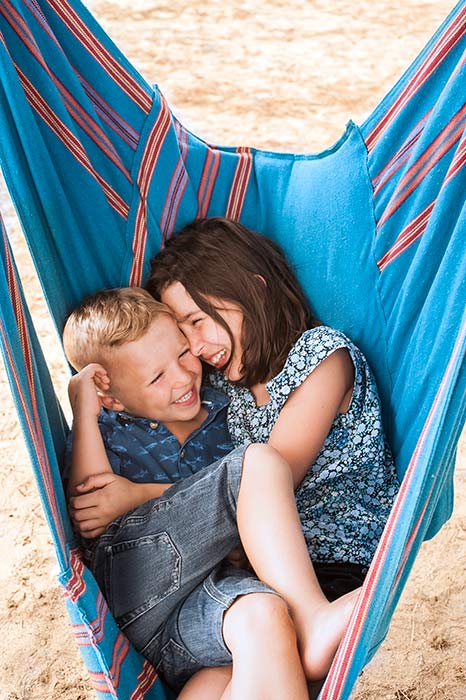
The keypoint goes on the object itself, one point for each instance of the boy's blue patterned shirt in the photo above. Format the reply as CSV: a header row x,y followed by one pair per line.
x,y
146,451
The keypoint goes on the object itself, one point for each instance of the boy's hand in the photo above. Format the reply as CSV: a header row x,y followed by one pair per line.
x,y
106,496
83,388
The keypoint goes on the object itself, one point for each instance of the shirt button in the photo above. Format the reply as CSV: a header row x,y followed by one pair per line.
x,y
153,425
182,453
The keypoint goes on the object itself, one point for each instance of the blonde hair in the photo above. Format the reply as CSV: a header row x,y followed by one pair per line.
x,y
106,320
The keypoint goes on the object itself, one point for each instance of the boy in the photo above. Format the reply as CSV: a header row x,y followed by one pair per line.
x,y
159,565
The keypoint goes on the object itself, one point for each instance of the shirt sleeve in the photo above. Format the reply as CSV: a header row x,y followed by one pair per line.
x,y
312,348
113,458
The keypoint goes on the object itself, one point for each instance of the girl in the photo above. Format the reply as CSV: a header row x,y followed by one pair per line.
x,y
301,386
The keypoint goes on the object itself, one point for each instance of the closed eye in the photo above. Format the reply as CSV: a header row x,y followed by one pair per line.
x,y
156,379
185,352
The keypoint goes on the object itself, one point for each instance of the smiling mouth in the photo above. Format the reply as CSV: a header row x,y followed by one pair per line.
x,y
219,359
187,399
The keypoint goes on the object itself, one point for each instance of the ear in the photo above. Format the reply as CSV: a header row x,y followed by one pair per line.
x,y
109,401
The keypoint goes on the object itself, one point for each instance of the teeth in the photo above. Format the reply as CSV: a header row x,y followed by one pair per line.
x,y
218,357
184,398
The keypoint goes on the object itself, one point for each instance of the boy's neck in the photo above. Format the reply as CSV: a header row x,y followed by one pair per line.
x,y
183,429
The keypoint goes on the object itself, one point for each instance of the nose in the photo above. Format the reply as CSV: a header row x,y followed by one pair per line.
x,y
196,345
183,376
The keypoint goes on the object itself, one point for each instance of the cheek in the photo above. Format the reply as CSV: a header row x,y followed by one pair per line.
x,y
215,333
194,365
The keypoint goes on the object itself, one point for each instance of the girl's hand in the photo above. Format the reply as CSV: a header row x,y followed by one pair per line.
x,y
84,388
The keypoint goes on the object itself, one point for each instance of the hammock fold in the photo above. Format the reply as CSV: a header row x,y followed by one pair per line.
x,y
101,174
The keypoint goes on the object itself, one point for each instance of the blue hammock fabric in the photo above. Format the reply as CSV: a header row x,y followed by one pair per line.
x,y
102,173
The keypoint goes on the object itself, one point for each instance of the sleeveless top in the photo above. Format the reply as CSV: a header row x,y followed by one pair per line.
x,y
346,496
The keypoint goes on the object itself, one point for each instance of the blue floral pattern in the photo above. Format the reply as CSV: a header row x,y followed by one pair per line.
x,y
346,496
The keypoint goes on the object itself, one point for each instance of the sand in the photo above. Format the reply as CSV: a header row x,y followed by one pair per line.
x,y
283,76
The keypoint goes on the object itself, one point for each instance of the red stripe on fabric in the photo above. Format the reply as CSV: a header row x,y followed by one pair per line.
x,y
452,34
70,141
442,143
108,682
240,184
93,632
20,28
108,114
90,127
208,180
411,539
409,234
76,586
457,163
85,121
339,670
35,433
417,227
33,421
149,161
101,54
146,680
400,157
114,120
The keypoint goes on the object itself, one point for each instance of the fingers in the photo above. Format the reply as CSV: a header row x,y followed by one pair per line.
x,y
101,379
78,503
92,529
95,481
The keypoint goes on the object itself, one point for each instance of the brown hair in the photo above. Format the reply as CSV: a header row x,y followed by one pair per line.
x,y
106,320
223,259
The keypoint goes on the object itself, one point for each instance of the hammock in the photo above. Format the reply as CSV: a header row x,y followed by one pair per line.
x,y
101,173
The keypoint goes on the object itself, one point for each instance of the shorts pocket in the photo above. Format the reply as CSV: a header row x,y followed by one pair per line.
x,y
176,664
140,573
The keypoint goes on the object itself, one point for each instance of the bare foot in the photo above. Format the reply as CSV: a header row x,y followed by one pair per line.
x,y
320,634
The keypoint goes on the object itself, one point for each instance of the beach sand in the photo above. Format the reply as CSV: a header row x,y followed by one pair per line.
x,y
283,76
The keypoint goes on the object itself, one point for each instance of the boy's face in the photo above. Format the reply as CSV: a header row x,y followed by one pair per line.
x,y
157,376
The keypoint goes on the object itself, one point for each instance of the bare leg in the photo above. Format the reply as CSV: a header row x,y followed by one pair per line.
x,y
275,545
207,684
262,640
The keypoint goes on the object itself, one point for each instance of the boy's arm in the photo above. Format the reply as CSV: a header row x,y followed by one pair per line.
x,y
97,495
105,497
88,455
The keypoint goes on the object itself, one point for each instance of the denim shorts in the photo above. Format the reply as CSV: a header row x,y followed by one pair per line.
x,y
149,561
192,637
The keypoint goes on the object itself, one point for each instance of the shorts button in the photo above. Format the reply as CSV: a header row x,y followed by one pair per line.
x,y
182,453
153,425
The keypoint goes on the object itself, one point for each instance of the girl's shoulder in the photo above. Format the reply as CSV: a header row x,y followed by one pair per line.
x,y
311,348
316,344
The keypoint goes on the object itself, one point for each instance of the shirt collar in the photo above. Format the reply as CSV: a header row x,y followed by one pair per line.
x,y
212,399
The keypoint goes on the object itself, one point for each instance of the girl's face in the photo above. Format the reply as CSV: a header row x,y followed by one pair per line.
x,y
207,338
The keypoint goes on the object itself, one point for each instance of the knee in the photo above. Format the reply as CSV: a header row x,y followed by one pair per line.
x,y
262,457
256,615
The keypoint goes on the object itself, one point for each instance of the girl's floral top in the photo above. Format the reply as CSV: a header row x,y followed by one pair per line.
x,y
345,498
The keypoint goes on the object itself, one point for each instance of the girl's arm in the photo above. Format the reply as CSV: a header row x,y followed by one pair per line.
x,y
307,416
